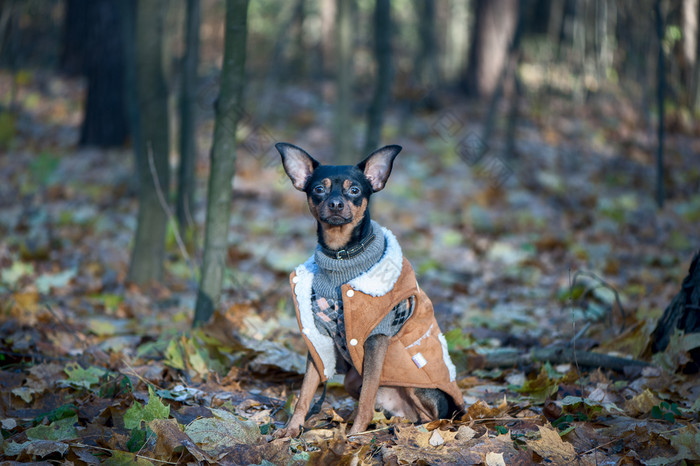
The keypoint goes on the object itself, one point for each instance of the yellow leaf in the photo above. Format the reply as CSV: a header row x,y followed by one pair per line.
x,y
642,403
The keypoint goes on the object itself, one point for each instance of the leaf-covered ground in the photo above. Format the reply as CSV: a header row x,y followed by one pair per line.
x,y
520,254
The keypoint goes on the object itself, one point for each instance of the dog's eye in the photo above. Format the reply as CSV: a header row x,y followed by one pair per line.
x,y
319,189
354,190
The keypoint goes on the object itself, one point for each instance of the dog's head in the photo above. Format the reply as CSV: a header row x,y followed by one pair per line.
x,y
338,195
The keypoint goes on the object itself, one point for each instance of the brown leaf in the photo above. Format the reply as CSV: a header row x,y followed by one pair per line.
x,y
171,437
551,447
481,410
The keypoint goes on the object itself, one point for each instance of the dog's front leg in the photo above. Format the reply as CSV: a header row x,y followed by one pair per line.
x,y
375,352
308,388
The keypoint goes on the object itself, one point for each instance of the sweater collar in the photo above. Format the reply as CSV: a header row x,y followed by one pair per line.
x,y
380,278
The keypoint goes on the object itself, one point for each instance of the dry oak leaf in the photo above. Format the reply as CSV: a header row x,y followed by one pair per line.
x,y
551,447
481,410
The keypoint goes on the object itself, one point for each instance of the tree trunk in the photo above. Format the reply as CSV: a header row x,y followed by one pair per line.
x,y
75,37
691,52
382,91
493,31
128,12
152,146
188,116
342,130
660,98
682,313
427,67
328,14
104,122
223,160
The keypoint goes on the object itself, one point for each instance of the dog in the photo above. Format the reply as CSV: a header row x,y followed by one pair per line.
x,y
358,304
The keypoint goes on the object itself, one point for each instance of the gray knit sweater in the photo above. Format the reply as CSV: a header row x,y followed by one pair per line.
x,y
326,300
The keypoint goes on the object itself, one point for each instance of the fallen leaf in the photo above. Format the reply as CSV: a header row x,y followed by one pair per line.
x,y
123,458
58,430
551,447
218,435
169,437
138,413
495,459
436,439
465,433
642,403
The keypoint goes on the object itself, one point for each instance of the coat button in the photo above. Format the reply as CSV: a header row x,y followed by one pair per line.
x,y
350,293
295,279
353,342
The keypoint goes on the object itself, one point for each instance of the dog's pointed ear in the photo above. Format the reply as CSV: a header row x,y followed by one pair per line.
x,y
298,164
377,166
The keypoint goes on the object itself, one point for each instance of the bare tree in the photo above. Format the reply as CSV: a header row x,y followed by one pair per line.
x,y
223,160
188,117
152,146
103,56
382,90
492,35
342,130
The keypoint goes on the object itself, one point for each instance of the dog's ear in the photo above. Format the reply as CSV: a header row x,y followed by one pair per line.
x,y
297,163
377,166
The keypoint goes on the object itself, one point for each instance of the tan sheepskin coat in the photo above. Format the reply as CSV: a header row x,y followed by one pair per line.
x,y
417,355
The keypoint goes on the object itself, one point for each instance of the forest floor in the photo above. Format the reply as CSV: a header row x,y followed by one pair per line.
x,y
519,253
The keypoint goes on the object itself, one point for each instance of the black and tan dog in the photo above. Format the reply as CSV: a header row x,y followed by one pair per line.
x,y
359,307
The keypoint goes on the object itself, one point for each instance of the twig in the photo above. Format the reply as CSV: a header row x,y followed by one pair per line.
x,y
169,213
581,332
133,372
599,446
372,431
508,419
82,445
190,222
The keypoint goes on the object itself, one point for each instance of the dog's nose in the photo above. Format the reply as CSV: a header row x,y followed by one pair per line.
x,y
335,204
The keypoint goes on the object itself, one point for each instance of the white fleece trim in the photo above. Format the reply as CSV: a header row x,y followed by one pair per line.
x,y
423,337
323,344
382,276
446,358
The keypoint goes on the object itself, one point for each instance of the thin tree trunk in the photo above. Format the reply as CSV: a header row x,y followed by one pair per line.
x,y
695,99
427,63
152,147
343,110
188,116
382,91
661,90
494,27
128,12
509,72
691,12
223,160
327,50
104,122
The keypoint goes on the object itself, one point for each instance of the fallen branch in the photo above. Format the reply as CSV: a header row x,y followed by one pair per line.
x,y
555,355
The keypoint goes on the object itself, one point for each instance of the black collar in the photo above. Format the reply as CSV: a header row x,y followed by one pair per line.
x,y
345,254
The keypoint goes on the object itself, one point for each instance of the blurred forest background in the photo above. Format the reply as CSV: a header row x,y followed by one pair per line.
x,y
547,195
